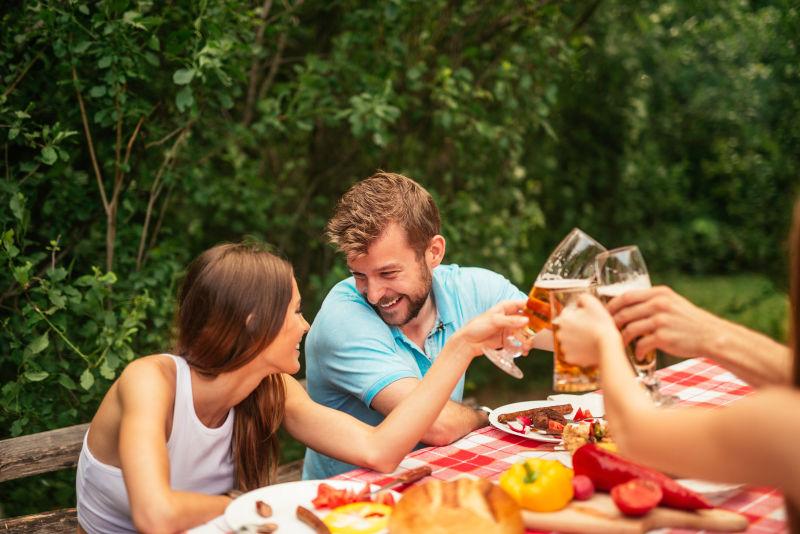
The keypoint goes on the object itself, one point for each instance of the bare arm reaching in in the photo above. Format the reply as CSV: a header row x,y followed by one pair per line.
x,y
713,444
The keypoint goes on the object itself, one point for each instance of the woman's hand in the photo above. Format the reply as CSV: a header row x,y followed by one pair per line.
x,y
581,328
659,318
492,327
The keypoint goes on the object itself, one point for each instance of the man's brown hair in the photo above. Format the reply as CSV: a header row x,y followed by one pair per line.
x,y
370,206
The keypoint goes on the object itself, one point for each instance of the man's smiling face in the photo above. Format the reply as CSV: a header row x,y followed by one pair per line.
x,y
392,277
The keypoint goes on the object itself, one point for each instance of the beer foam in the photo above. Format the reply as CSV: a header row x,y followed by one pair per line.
x,y
563,283
615,290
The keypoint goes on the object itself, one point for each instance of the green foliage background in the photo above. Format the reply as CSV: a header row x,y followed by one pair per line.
x,y
137,133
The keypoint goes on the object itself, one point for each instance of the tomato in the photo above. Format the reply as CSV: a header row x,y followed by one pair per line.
x,y
384,497
636,497
578,415
330,497
555,427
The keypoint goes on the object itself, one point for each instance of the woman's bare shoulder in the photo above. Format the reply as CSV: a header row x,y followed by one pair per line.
x,y
155,370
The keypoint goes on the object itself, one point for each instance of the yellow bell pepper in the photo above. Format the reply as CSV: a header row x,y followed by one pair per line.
x,y
538,485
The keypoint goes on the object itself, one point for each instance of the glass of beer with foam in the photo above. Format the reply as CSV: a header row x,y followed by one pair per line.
x,y
618,271
571,264
567,377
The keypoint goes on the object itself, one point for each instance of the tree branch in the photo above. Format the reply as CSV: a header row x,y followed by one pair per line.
x,y
155,191
22,74
273,68
164,139
98,175
584,18
251,88
131,141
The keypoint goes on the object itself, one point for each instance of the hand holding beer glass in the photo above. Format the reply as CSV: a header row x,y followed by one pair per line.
x,y
566,376
571,264
618,271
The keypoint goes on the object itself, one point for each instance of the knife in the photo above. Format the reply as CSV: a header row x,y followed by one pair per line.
x,y
406,477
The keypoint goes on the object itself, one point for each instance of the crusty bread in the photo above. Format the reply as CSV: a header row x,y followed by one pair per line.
x,y
463,506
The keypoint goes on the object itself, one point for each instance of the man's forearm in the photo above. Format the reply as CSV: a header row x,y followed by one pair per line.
x,y
455,421
750,355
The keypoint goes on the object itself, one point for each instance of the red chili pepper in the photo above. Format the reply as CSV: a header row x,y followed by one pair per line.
x,y
607,470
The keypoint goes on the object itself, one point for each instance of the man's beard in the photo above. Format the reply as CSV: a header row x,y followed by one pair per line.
x,y
416,302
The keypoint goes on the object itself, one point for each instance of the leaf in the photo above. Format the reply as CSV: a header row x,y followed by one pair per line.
x,y
81,47
67,382
106,371
152,59
57,274
16,427
49,155
17,205
22,273
183,76
83,8
184,99
97,91
36,376
38,345
13,133
104,62
57,298
87,380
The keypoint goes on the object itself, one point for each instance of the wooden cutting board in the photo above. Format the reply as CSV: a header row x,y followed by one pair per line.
x,y
600,514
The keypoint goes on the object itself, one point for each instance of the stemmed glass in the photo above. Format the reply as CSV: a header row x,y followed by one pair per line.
x,y
571,264
618,271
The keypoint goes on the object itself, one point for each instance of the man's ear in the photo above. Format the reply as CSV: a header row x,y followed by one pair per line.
x,y
435,251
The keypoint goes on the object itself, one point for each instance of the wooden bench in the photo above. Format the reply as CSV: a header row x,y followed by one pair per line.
x,y
54,450
58,449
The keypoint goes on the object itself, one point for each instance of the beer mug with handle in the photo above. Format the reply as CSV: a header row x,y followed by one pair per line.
x,y
618,271
571,264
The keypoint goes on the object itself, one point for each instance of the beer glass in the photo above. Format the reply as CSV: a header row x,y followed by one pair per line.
x,y
571,264
567,377
618,271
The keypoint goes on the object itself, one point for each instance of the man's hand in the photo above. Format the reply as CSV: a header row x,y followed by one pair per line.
x,y
659,318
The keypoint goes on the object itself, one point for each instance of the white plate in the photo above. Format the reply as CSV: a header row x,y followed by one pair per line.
x,y
518,407
708,488
284,500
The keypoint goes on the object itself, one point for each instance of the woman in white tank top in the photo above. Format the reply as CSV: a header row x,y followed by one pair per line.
x,y
174,433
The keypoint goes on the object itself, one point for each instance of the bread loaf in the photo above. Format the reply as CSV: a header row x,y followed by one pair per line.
x,y
463,506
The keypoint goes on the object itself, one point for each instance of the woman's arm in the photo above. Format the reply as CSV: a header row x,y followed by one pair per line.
x,y
753,440
341,436
146,399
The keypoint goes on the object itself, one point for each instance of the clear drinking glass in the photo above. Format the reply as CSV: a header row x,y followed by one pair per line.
x,y
571,264
618,271
568,377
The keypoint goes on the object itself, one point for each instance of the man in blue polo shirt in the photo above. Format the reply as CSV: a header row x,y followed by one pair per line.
x,y
378,332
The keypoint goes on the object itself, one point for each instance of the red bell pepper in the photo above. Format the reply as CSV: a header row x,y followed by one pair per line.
x,y
607,470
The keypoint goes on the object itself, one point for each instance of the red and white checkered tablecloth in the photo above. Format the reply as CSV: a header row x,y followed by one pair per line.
x,y
488,452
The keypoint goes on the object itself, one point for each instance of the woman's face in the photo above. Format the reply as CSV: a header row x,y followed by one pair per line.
x,y
284,352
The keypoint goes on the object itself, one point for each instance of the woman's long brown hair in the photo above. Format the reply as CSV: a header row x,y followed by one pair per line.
x,y
231,306
792,508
